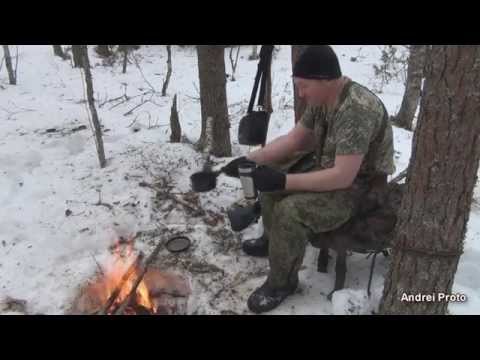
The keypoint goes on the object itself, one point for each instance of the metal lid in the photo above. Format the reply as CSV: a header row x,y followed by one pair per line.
x,y
178,244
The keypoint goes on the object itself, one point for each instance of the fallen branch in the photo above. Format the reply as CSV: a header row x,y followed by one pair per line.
x,y
127,98
108,206
114,99
136,107
98,265
170,196
184,203
100,203
13,113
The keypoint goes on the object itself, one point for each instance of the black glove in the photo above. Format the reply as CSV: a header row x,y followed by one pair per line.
x,y
267,179
231,169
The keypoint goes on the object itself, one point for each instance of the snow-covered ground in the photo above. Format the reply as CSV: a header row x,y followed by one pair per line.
x,y
52,229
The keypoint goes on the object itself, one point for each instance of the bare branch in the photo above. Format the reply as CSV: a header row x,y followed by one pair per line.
x,y
234,62
169,70
98,265
141,73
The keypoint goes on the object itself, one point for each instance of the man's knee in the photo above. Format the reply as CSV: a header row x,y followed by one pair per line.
x,y
318,212
285,216
288,235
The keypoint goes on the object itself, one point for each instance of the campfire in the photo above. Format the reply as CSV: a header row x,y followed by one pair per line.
x,y
129,285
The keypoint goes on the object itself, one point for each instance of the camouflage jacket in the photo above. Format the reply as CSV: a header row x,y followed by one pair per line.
x,y
354,127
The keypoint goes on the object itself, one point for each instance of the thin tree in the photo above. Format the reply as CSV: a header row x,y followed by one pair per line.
x,y
91,104
77,56
126,49
12,76
176,130
58,51
254,55
169,70
413,87
233,62
443,171
103,50
213,97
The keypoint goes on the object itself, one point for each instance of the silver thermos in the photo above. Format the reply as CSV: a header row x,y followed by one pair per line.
x,y
245,171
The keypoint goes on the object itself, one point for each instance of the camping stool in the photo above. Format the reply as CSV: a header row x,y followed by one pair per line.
x,y
341,248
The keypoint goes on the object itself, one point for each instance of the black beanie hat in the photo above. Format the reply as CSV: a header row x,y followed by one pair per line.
x,y
318,62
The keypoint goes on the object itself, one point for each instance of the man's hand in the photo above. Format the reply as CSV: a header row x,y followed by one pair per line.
x,y
231,169
268,180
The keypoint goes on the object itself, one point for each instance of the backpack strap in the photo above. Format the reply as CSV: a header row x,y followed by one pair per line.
x,y
263,67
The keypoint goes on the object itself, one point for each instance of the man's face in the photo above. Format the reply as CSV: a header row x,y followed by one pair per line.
x,y
314,92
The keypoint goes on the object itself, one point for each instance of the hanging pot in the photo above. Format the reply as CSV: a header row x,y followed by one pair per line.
x,y
253,128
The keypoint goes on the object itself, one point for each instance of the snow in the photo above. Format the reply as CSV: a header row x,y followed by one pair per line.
x,y
47,256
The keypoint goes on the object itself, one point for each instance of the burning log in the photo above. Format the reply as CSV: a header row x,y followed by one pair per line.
x,y
131,270
121,308
131,286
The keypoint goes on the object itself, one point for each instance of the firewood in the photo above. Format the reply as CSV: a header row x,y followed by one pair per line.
x,y
121,308
121,284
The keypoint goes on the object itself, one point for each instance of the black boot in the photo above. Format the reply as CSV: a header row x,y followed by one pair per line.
x,y
266,298
256,247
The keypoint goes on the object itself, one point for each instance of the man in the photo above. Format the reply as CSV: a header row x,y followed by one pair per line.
x,y
346,127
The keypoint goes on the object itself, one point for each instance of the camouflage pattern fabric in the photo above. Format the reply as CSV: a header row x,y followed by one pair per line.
x,y
291,219
351,129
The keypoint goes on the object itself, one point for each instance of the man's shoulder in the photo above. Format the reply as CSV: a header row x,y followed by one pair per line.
x,y
361,112
360,97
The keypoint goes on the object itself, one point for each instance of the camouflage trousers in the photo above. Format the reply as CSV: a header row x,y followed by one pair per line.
x,y
291,219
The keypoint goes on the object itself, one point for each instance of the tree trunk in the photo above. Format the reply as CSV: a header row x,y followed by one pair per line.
x,y
77,56
443,171
103,50
254,55
298,104
169,70
91,104
176,130
213,97
125,60
8,63
413,88
58,51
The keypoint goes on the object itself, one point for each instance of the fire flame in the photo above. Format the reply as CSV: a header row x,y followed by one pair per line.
x,y
123,258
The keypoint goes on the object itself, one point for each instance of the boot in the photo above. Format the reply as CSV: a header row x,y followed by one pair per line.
x,y
266,298
256,247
